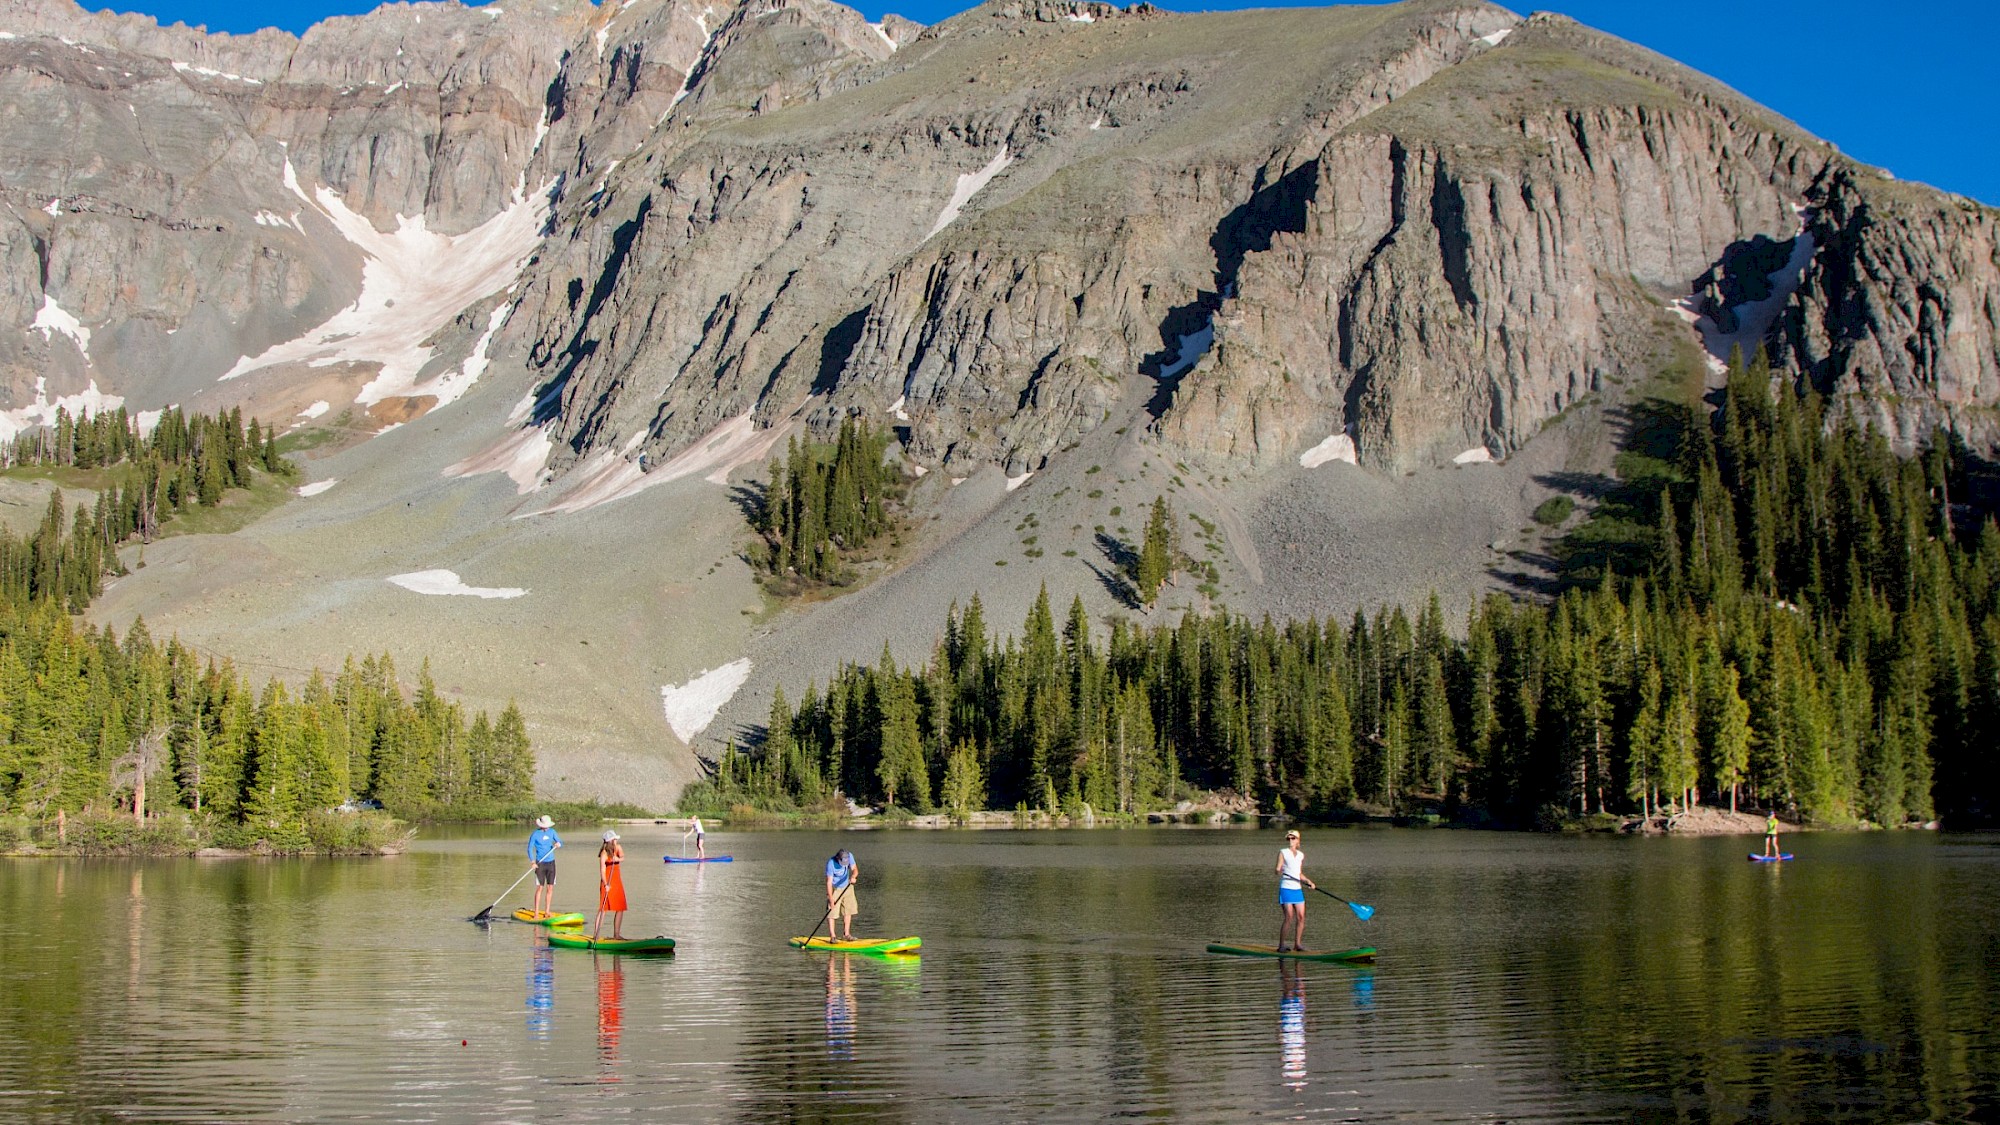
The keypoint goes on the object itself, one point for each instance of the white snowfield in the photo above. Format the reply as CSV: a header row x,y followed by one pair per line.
x,y
880,30
205,72
315,488
1016,482
413,282
448,582
1753,318
522,455
607,476
42,412
316,409
691,706
53,319
1495,39
1477,455
1339,447
968,186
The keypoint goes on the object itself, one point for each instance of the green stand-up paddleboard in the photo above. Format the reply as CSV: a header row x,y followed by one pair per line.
x,y
577,939
544,918
1362,956
858,945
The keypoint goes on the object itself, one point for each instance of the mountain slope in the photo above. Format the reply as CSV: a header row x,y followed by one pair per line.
x,y
592,265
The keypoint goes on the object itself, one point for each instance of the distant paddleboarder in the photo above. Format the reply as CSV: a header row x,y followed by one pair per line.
x,y
542,845
1292,884
695,831
1771,834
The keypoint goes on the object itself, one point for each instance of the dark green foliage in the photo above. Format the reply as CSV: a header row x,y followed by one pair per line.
x,y
183,462
1553,511
89,724
826,504
1770,610
75,704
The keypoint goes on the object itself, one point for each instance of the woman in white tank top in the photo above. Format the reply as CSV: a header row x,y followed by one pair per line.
x,y
1292,883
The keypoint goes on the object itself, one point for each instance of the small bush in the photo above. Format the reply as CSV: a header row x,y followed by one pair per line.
x,y
1554,510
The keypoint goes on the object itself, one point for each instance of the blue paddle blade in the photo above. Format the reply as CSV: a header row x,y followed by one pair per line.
x,y
1362,912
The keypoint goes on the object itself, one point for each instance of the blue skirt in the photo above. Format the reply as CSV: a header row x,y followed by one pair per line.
x,y
1289,895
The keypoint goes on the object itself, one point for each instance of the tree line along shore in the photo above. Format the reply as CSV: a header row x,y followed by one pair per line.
x,y
1766,607
129,745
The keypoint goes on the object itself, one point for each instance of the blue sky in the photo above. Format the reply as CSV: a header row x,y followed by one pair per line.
x,y
1892,88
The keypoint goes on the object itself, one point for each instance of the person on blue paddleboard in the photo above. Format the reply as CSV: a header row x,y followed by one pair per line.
x,y
1771,833
1292,884
695,831
841,907
542,845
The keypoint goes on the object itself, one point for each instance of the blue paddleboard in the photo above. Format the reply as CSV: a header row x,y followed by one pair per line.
x,y
1772,858
691,859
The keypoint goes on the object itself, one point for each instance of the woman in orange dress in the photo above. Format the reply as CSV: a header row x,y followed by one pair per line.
x,y
610,887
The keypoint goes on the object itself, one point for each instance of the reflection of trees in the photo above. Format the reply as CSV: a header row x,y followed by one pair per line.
x,y
1757,994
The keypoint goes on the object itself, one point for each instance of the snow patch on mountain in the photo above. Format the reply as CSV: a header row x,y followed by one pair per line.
x,y
448,583
42,411
1339,447
521,455
607,476
52,319
968,186
691,706
413,282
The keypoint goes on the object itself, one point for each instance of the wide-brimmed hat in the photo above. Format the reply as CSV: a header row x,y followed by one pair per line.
x,y
543,821
609,835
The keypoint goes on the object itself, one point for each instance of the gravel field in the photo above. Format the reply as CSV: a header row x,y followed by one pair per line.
x,y
649,591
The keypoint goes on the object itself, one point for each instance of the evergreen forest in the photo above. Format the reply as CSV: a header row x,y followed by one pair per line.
x,y
91,723
1767,609
824,505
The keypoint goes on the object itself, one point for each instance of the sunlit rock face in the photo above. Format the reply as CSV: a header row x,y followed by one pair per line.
x,y
1426,228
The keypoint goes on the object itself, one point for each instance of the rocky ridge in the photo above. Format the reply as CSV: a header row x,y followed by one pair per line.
x,y
604,249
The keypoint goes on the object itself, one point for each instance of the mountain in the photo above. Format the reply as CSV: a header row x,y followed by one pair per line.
x,y
544,284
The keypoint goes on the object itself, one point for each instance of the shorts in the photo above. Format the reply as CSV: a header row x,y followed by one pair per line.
x,y
1288,896
545,873
844,905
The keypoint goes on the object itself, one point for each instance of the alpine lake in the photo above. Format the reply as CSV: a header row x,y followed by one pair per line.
x,y
1063,977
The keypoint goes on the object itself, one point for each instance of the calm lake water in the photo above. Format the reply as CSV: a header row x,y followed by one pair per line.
x,y
1522,978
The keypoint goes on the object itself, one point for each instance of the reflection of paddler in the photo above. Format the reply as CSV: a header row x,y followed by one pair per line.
x,y
1292,1023
610,1009
840,1006
541,990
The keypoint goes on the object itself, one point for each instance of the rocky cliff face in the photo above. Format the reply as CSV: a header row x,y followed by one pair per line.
x,y
1425,228
1897,311
150,230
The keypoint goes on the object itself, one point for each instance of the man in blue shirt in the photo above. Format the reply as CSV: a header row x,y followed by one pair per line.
x,y
840,905
542,845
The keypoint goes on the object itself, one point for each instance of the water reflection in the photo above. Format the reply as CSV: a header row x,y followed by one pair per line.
x,y
840,1011
1364,988
610,1014
541,989
1292,1024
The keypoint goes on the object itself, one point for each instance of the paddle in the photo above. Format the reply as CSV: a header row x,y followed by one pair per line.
x,y
488,912
1362,912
